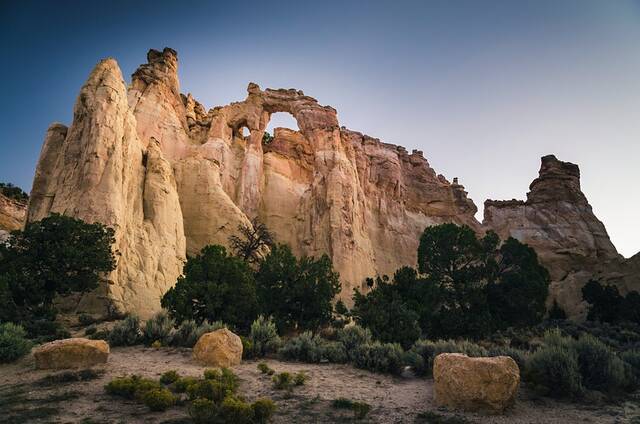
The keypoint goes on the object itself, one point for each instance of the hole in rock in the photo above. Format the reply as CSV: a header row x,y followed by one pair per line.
x,y
282,119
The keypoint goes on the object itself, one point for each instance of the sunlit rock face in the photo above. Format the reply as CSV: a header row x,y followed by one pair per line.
x,y
12,216
172,177
558,222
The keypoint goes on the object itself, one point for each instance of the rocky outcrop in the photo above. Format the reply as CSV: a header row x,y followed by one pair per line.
x,y
220,348
172,177
558,222
71,353
475,384
12,215
99,170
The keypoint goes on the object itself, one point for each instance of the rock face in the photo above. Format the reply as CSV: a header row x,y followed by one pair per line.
x,y
171,177
12,215
71,353
475,384
220,348
558,222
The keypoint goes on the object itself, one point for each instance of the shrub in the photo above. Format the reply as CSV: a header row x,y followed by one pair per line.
x,y
203,411
334,352
86,319
380,357
353,337
263,410
215,286
237,411
158,329
169,377
158,399
188,332
126,332
131,387
554,371
91,330
306,348
212,374
264,337
518,355
207,389
632,357
286,381
13,342
600,368
182,384
265,369
360,409
423,352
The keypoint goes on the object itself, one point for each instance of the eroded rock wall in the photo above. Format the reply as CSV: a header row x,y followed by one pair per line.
x,y
12,216
558,222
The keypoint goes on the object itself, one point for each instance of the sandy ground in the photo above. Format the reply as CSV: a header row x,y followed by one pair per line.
x,y
26,397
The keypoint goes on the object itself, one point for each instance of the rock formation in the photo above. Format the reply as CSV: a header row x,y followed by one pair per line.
x,y
172,177
13,214
71,353
558,222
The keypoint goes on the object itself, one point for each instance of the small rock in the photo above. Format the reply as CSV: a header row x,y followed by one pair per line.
x,y
71,353
220,348
475,384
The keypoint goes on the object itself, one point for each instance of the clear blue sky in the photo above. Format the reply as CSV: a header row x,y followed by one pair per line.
x,y
483,88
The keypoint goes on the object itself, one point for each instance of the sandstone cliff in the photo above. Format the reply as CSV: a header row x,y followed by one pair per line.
x,y
558,222
12,215
172,177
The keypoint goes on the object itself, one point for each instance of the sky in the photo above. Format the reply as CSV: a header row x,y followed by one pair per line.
x,y
484,88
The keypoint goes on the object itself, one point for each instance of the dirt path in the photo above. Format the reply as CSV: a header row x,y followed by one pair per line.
x,y
26,397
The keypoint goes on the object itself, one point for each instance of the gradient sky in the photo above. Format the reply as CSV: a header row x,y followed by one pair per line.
x,y
483,88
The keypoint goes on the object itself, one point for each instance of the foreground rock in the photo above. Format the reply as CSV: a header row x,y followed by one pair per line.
x,y
71,353
220,348
475,384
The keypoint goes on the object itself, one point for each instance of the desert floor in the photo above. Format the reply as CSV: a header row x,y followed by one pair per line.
x,y
27,395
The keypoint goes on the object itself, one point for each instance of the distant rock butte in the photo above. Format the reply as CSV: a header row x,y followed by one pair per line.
x,y
171,177
12,215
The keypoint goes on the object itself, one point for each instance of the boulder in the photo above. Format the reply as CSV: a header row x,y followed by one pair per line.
x,y
220,348
71,353
475,384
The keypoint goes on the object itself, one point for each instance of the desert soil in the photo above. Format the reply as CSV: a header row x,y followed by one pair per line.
x,y
25,395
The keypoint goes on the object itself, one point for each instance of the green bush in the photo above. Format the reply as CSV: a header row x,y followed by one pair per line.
x,y
554,371
203,411
13,342
334,352
306,348
158,329
360,409
182,384
353,337
286,380
263,410
169,377
600,368
264,337
380,357
91,330
158,399
207,389
126,332
237,411
86,319
632,358
423,352
265,369
188,332
518,355
132,387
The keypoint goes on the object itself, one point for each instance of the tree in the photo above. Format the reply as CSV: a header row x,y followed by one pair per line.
x,y
385,312
253,241
606,304
215,287
297,293
53,257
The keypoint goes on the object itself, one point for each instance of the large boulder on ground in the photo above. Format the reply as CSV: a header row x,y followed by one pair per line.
x,y
71,353
475,384
220,348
